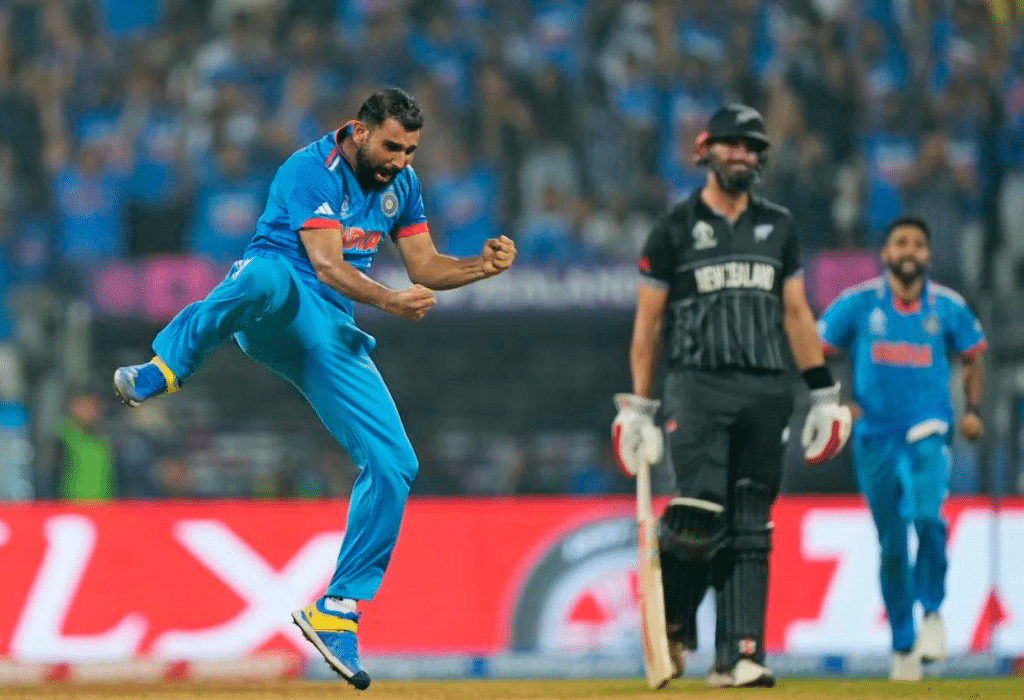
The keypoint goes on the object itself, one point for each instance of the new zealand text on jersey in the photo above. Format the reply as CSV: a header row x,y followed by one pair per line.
x,y
735,275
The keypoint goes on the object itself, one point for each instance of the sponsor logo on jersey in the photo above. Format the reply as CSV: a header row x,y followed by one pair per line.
x,y
389,203
354,238
901,354
735,275
703,236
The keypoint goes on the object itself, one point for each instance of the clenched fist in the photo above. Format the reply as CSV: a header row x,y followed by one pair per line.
x,y
497,255
971,426
413,302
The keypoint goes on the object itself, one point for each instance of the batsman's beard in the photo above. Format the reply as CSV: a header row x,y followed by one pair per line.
x,y
736,182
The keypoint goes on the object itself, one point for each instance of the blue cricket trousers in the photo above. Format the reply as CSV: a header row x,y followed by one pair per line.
x,y
282,323
906,483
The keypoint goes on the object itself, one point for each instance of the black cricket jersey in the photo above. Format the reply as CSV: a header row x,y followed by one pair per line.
x,y
724,283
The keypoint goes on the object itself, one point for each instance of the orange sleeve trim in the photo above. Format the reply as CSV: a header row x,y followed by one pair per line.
x,y
320,223
975,349
411,230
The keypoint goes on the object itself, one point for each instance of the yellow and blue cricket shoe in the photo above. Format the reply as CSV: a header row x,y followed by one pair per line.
x,y
136,383
334,635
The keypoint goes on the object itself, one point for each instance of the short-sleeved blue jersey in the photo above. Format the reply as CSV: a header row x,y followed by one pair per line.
x,y
899,353
317,188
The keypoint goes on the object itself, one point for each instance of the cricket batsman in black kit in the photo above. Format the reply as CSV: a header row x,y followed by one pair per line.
x,y
721,286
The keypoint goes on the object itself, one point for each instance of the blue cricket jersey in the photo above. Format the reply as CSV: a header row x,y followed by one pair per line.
x,y
317,188
899,353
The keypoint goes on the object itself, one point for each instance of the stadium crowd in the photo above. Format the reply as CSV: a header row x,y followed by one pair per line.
x,y
131,129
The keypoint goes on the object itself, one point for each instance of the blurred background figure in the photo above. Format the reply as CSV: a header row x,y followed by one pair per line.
x,y
85,466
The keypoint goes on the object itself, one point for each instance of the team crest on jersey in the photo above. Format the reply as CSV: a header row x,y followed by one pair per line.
x,y
389,203
931,324
762,231
703,236
876,322
344,206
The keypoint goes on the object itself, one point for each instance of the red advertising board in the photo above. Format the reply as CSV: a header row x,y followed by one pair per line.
x,y
482,576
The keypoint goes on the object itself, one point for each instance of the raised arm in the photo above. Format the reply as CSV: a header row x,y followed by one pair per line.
x,y
435,271
325,251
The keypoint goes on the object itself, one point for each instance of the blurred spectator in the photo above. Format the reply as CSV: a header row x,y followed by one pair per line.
x,y
556,34
829,92
386,34
889,151
463,203
805,183
152,123
614,229
547,165
691,97
174,477
16,452
229,201
1011,192
127,20
503,125
882,66
85,458
548,236
139,441
934,192
440,49
90,195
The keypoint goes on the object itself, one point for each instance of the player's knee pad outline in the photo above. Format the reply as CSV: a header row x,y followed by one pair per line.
x,y
692,529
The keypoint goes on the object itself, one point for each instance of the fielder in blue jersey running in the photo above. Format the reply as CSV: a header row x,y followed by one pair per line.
x,y
899,330
288,305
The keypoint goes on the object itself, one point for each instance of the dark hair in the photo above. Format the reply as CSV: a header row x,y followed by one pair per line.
x,y
915,221
392,103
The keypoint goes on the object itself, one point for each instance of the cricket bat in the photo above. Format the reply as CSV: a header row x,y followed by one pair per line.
x,y
657,661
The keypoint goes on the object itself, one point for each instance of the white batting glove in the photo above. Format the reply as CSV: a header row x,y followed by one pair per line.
x,y
827,427
635,437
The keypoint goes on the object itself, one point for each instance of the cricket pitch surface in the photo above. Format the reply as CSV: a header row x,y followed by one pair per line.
x,y
797,689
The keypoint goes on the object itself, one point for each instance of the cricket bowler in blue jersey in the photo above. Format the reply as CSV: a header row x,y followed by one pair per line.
x,y
288,303
898,330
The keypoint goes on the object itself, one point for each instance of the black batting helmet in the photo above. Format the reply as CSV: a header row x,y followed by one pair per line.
x,y
732,121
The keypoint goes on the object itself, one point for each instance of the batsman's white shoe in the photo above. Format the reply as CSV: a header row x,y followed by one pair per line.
x,y
931,642
906,666
745,674
677,652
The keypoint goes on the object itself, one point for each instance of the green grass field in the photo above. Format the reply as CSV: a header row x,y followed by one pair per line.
x,y
530,690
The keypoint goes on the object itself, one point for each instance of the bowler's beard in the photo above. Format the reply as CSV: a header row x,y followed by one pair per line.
x,y
735,182
367,169
909,274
